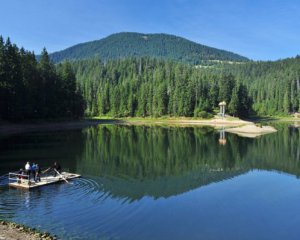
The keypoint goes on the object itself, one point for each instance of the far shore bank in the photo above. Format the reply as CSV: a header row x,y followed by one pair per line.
x,y
7,128
214,122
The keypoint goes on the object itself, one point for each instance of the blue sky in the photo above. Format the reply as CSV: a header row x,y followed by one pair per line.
x,y
258,29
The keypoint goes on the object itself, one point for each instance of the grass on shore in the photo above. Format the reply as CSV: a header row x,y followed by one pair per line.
x,y
266,119
163,119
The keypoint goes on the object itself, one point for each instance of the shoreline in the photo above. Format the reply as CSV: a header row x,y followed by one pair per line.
x,y
7,128
15,128
10,230
214,122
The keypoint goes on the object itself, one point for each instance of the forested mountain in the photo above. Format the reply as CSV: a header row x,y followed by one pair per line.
x,y
142,86
36,90
160,46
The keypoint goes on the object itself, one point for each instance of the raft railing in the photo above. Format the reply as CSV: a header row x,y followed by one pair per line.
x,y
19,178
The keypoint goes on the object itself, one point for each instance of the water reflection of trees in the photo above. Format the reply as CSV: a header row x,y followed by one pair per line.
x,y
162,161
279,151
40,147
158,161
150,152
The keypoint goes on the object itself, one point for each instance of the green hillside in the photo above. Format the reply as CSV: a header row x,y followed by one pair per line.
x,y
151,87
273,86
141,87
162,46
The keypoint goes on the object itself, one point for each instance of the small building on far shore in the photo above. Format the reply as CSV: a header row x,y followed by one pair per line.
x,y
222,109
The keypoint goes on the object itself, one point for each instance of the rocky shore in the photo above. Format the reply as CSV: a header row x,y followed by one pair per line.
x,y
13,231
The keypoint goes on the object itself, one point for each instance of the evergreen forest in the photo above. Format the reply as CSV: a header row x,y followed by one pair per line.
x,y
142,87
150,87
36,90
273,86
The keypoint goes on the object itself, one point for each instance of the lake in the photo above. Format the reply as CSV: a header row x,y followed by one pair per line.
x,y
158,182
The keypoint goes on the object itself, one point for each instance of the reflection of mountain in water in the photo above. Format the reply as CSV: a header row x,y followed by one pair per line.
x,y
164,186
159,161
134,161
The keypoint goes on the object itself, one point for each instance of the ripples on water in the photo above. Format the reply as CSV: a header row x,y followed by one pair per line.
x,y
3,180
68,210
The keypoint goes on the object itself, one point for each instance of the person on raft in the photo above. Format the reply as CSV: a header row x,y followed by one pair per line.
x,y
57,168
28,169
37,173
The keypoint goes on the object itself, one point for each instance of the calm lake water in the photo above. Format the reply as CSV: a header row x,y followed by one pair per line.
x,y
158,183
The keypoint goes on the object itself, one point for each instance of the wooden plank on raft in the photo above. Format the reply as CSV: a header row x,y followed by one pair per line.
x,y
20,183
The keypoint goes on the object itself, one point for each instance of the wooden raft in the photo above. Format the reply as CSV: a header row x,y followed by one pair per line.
x,y
29,184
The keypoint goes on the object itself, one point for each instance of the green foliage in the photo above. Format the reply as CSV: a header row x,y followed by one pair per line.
x,y
274,87
31,89
141,87
72,102
161,46
234,104
202,114
240,101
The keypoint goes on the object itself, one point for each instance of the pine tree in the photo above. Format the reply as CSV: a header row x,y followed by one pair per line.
x,y
3,84
15,87
234,105
227,83
34,90
48,105
286,103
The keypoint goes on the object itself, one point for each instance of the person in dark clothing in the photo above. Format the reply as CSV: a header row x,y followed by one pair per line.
x,y
33,171
57,168
38,173
21,172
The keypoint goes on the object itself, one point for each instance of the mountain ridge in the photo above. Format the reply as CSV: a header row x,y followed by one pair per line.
x,y
155,45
